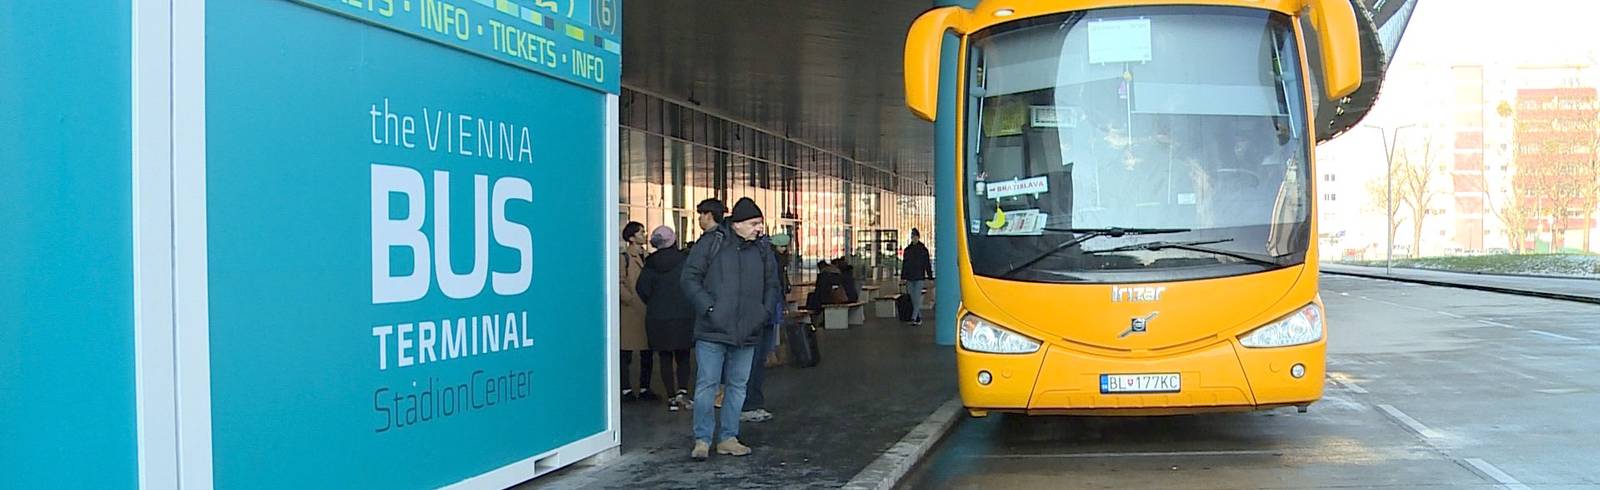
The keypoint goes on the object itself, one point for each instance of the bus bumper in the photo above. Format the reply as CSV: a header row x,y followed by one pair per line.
x,y
1219,378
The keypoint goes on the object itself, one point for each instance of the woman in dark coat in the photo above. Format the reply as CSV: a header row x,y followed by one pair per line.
x,y
669,320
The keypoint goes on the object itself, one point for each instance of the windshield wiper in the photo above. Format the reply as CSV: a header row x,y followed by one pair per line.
x,y
1086,234
1194,246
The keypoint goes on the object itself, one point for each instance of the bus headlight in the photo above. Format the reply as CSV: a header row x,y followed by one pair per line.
x,y
980,335
1301,327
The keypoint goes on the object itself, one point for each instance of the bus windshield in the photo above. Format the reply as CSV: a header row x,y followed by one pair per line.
x,y
1186,122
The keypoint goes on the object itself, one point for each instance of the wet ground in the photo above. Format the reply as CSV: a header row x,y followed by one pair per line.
x,y
874,384
1429,387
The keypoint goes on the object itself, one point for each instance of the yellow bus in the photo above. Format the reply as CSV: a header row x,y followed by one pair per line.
x,y
1137,227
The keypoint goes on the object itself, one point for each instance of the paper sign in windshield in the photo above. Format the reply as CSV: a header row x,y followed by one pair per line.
x,y
1049,116
1119,41
1021,222
1017,187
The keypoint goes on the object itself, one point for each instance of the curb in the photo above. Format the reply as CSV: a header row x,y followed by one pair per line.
x,y
1493,289
892,466
1476,273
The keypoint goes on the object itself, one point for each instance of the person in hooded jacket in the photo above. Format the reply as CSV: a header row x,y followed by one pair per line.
x,y
847,279
915,269
728,278
669,319
631,315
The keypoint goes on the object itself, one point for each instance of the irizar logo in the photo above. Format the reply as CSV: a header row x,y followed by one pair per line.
x,y
1139,325
1136,294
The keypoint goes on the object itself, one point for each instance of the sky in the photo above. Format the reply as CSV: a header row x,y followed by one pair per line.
x,y
1537,31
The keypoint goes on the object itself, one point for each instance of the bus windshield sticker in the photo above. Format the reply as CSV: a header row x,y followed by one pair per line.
x,y
1025,222
1119,41
1008,119
1017,187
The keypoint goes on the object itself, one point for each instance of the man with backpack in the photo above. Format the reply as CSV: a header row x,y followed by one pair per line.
x,y
728,279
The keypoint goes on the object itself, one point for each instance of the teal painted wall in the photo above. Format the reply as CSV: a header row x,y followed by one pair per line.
x,y
66,252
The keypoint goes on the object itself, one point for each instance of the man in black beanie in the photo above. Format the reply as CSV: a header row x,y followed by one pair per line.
x,y
727,278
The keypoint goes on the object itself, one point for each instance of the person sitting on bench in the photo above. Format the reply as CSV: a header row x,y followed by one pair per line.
x,y
830,288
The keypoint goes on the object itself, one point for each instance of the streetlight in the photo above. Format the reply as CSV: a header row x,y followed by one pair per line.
x,y
1388,194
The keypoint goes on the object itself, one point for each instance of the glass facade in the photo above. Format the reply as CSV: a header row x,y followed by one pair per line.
x,y
673,156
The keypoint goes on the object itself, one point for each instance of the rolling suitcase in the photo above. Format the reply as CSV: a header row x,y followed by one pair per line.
x,y
902,307
802,340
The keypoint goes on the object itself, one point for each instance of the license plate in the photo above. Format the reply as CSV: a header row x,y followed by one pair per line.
x,y
1140,383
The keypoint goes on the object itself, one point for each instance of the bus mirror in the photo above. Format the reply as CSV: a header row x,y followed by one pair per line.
x,y
924,45
1335,21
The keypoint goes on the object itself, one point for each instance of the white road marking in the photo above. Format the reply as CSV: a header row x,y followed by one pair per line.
x,y
1555,335
1449,314
1498,476
1344,381
1161,454
1412,423
1496,324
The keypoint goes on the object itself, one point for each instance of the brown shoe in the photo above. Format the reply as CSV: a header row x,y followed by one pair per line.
x,y
702,450
732,447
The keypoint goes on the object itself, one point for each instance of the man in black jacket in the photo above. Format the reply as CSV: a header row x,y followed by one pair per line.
x,y
915,269
727,279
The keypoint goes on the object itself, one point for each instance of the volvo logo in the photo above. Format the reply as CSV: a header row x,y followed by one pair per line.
x,y
1139,325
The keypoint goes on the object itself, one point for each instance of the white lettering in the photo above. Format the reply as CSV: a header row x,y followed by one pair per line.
x,y
388,233
425,342
525,147
509,340
526,340
455,339
405,344
512,235
430,128
491,333
382,333
462,134
460,286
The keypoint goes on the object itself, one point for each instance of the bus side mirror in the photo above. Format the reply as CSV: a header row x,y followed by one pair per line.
x,y
924,45
1340,42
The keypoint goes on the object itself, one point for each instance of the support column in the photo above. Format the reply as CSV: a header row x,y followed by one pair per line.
x,y
947,219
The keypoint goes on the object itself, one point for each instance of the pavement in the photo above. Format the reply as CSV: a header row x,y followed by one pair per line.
x,y
875,385
1428,387
1572,289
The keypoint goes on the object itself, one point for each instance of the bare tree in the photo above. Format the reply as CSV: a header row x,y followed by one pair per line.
x,y
1513,212
1415,186
1560,188
1588,183
1382,202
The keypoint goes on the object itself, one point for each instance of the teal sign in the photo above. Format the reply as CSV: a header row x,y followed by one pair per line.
x,y
574,40
406,239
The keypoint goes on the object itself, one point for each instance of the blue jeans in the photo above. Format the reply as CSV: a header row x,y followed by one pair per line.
x,y
914,288
755,397
728,366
